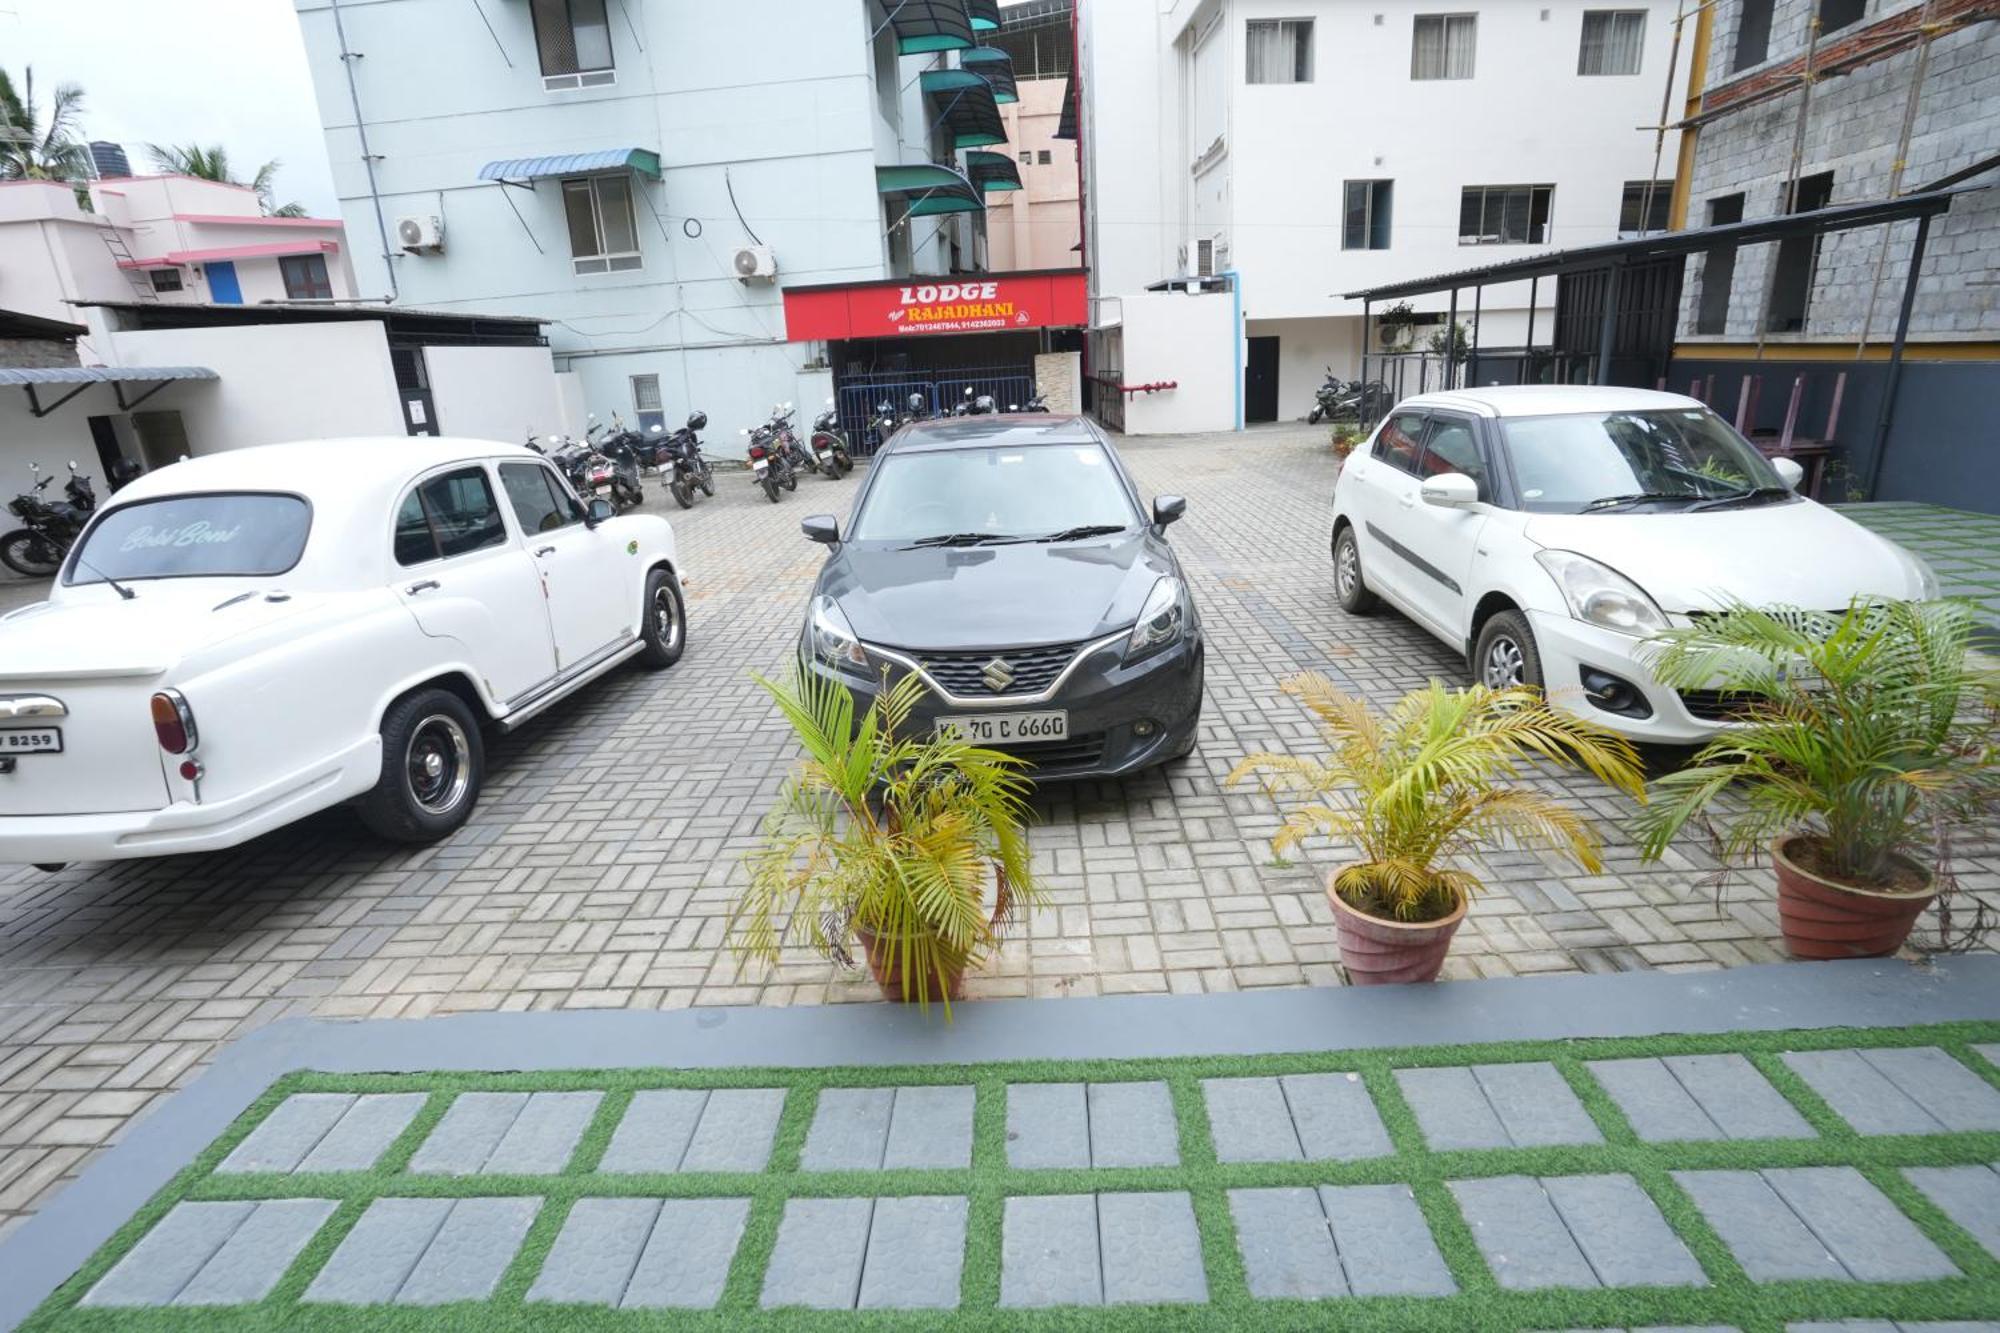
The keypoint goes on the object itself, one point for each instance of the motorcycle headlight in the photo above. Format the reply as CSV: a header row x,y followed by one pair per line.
x,y
1162,620
833,639
1599,595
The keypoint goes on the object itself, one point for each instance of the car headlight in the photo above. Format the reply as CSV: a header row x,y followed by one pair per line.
x,y
833,639
1162,620
1599,595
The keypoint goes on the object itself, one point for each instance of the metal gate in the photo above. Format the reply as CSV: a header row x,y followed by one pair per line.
x,y
859,395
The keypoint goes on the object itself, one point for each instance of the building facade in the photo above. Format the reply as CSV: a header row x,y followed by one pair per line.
x,y
1311,149
1040,225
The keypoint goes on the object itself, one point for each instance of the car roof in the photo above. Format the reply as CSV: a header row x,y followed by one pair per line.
x,y
1542,400
313,467
1005,429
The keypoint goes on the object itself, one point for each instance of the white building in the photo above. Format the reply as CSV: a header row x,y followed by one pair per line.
x,y
1313,147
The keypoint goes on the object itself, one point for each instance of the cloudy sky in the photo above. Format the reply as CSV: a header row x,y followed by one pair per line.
x,y
231,72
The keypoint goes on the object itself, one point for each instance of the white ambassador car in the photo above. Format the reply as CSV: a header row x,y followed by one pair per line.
x,y
1547,530
239,640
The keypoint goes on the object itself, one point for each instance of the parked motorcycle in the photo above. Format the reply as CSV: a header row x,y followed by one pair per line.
x,y
770,459
1034,404
829,445
625,487
49,527
681,452
796,453
1325,397
1360,402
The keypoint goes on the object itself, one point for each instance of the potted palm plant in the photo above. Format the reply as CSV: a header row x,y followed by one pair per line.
x,y
888,840
1433,780
1862,738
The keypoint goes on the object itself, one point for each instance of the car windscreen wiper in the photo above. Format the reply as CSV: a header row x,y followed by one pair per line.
x,y
1741,497
960,539
1637,497
1082,531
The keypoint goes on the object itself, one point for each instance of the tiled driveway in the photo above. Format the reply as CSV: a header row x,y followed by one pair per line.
x,y
600,867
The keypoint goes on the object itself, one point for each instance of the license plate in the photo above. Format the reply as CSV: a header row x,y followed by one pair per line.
x,y
31,740
760,465
1006,728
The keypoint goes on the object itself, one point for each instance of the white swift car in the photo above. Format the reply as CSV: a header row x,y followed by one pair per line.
x,y
239,640
1547,530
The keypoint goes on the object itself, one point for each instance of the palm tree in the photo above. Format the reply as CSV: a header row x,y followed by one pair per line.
x,y
32,148
211,163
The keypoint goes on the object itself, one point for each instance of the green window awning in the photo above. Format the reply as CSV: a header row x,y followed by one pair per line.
x,y
929,188
643,161
1066,122
930,25
992,171
985,14
964,102
996,67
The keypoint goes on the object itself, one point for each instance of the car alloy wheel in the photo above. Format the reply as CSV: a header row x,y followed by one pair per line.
x,y
666,618
439,764
1505,665
1347,568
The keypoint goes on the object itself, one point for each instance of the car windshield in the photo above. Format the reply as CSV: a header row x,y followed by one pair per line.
x,y
1606,460
997,493
194,536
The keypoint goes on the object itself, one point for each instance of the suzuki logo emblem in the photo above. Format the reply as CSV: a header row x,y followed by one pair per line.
x,y
998,674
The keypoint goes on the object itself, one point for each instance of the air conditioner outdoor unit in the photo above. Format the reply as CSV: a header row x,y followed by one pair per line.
x,y
1202,249
420,231
756,262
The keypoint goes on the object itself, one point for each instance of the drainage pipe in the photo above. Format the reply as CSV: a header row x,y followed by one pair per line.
x,y
347,59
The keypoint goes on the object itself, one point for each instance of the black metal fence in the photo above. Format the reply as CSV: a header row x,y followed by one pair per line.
x,y
858,396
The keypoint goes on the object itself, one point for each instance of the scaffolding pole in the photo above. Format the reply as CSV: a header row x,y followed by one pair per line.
x,y
1896,167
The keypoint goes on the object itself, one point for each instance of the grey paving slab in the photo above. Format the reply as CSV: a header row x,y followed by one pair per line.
x,y
931,1128
1867,1233
1386,1248
1738,1099
1536,1105
653,1134
167,1257
1953,1095
1655,1104
293,1129
1861,1094
470,1252
735,1131
1520,1233
1335,1117
916,1253
1151,1249
1451,1109
1132,1124
1286,1244
686,1261
1048,1125
1048,1251
358,1141
374,1259
543,1136
595,1252
1621,1232
849,1130
1968,1195
257,1253
817,1260
1991,1052
1759,1228
1248,1120
471,1129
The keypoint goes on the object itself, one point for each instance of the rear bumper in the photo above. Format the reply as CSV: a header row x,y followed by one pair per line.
x,y
189,827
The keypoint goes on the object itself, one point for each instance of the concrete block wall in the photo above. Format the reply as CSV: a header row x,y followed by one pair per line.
x,y
37,352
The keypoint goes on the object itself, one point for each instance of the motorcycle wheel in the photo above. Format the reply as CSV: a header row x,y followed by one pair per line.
x,y
30,553
706,480
829,468
790,479
770,485
845,463
683,493
1312,417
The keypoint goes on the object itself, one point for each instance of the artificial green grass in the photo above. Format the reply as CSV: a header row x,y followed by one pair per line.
x,y
1729,1298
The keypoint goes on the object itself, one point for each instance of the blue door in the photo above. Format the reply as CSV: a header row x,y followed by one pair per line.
x,y
222,287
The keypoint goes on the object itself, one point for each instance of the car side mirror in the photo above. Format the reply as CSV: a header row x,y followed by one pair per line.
x,y
1789,472
597,511
822,528
1168,509
1450,490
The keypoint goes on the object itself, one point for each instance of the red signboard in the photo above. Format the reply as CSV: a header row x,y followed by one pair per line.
x,y
963,303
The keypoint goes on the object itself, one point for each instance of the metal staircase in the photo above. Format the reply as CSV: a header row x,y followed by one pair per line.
x,y
142,286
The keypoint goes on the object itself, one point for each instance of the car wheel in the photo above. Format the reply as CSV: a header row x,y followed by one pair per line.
x,y
433,764
1505,654
1352,589
664,622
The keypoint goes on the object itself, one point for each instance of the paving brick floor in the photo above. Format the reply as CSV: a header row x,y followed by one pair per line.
x,y
600,867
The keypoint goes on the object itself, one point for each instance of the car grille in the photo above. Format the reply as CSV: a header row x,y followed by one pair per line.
x,y
1715,705
964,674
1053,758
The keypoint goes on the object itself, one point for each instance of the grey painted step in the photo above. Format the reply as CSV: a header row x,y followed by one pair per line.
x,y
293,1129
1151,1249
1689,1097
374,1259
1813,1222
1293,1118
916,1253
167,1257
470,1252
373,1123
1900,1090
257,1253
817,1260
690,1129
1048,1250
595,1252
686,1261
1969,1196
1299,1243
1496,1106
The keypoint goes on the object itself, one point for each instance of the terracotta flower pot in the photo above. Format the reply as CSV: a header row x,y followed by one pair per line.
x,y
1823,919
1377,952
886,964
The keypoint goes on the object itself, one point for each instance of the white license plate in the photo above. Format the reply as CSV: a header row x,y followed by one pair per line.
x,y
31,740
1006,728
760,465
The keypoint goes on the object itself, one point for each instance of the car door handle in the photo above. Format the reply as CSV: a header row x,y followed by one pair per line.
x,y
423,585
545,550
1407,500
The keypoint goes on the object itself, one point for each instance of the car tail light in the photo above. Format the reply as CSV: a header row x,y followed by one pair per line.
x,y
173,722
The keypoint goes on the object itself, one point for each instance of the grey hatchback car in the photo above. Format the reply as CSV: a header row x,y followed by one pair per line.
x,y
1008,561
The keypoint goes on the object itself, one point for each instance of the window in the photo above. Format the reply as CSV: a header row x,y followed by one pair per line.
x,y
888,73
195,536
602,235
1397,444
1837,14
448,515
305,277
1718,270
647,403
540,502
1563,464
1280,50
1043,157
1027,157
1798,258
1753,34
1443,46
1644,209
1504,214
1452,448
1365,224
165,279
1004,492
574,38
1611,41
